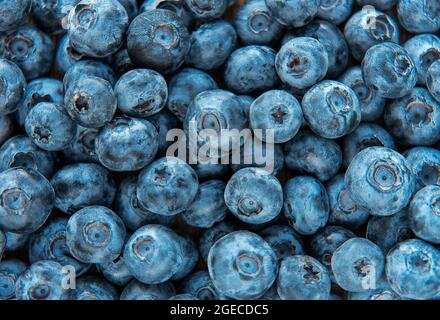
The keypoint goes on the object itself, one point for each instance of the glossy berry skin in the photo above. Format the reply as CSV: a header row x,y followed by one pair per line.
x,y
89,30
81,185
242,265
357,264
90,102
367,28
413,270
293,13
425,164
424,49
39,90
302,62
50,15
14,13
389,71
379,4
116,272
366,135
372,105
380,180
414,119
126,144
168,186
184,86
335,11
303,278
331,38
276,110
82,147
256,25
42,281
95,234
177,7
141,93
386,232
285,242
163,121
343,210
12,86
254,196
153,254
211,45
88,68
208,206
424,214
331,109
136,290
250,69
306,205
94,288
158,39
10,270
211,235
30,48
49,126
419,17
200,285
206,9
49,243
27,200
65,55
309,153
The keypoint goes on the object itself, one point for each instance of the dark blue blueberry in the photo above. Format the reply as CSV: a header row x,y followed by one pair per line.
x,y
357,265
311,154
335,11
306,204
200,285
343,210
207,170
389,71
425,165
419,16
16,241
65,55
190,254
12,86
294,13
163,121
121,62
88,68
285,242
14,13
211,235
382,291
43,280
115,272
211,45
206,9
10,270
82,147
136,290
96,28
131,7
242,265
95,235
433,80
30,48
2,243
51,15
90,101
27,199
380,4
368,27
158,39
94,288
49,126
175,6
184,296
413,269
7,128
303,278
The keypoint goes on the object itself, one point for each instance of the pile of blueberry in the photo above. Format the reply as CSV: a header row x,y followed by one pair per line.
x,y
91,206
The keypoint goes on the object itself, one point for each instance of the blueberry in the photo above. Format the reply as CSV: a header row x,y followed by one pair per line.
x,y
207,170
16,241
211,45
121,62
26,200
425,165
206,9
88,68
343,210
30,48
49,126
314,155
211,235
2,243
414,119
335,11
294,13
158,39
14,14
163,121
303,278
65,55
190,254
90,101
419,16
242,265
200,285
389,71
115,272
10,270
93,288
82,147
136,290
433,80
12,86
131,7
43,280
279,111
250,69
184,296
380,4
51,15
254,196
256,25
382,291
306,205
285,242
7,128
367,28
96,28
95,234
413,270
184,86
141,92
357,265
175,6
372,105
